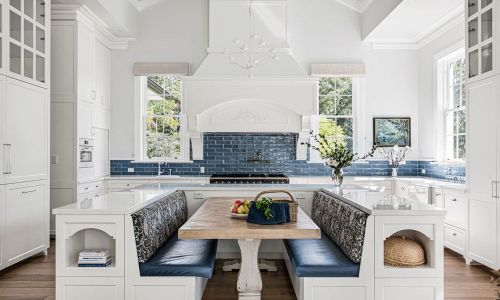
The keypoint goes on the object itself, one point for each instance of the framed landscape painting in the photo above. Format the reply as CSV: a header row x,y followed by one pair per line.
x,y
388,132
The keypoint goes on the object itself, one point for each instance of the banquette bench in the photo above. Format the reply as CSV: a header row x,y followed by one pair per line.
x,y
340,265
159,265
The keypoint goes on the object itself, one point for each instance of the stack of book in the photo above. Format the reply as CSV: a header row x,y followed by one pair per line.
x,y
94,258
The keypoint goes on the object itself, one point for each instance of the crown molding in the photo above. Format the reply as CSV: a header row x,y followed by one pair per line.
x,y
81,13
453,19
357,5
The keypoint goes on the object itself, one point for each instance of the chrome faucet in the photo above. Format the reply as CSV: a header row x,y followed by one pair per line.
x,y
160,164
449,174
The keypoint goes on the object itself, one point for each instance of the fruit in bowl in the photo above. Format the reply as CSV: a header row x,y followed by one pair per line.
x,y
240,207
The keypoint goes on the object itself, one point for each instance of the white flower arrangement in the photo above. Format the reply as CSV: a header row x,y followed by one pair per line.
x,y
397,155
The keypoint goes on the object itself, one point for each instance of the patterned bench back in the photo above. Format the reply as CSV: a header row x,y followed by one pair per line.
x,y
155,223
343,223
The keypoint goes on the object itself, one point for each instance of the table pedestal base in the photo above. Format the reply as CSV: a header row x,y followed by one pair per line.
x,y
265,265
249,279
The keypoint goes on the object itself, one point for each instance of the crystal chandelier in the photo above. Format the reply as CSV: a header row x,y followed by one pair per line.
x,y
253,52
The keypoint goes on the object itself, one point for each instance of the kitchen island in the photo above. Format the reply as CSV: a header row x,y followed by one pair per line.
x,y
101,223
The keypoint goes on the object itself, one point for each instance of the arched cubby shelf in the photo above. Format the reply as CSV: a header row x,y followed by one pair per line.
x,y
90,232
424,230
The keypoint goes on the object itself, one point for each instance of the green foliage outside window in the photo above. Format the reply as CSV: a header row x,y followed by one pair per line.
x,y
336,110
162,117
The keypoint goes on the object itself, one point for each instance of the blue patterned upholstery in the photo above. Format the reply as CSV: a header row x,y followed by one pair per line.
x,y
341,222
319,258
157,222
182,258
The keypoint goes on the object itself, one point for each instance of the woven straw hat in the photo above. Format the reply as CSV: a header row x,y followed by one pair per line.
x,y
403,252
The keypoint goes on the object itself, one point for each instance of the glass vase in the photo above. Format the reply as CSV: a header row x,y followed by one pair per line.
x,y
394,172
337,177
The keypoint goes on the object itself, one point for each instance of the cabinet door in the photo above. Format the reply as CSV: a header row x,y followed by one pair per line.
x,y
85,121
85,65
26,131
482,169
2,226
482,38
101,152
26,217
102,74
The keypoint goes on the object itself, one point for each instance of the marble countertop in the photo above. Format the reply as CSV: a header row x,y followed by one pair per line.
x,y
128,201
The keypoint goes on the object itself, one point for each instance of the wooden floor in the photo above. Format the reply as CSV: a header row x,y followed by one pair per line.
x,y
34,279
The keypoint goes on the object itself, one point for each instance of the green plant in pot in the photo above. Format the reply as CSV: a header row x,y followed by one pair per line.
x,y
335,155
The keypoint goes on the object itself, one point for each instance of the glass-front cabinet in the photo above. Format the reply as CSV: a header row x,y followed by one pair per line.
x,y
23,43
481,38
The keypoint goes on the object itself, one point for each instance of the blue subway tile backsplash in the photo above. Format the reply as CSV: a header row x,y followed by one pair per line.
x,y
229,153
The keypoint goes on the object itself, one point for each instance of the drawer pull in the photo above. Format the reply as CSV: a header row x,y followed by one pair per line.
x,y
454,234
454,199
128,184
28,192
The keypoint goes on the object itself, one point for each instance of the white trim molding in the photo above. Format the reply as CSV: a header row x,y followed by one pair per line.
x,y
70,12
452,19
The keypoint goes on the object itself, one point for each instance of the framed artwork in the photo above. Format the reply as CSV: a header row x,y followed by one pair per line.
x,y
388,132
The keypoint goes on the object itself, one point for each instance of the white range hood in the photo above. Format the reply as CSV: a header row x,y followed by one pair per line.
x,y
220,96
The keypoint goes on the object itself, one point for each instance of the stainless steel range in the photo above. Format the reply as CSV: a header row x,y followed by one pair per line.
x,y
272,178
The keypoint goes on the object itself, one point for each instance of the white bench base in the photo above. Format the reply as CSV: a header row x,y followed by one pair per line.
x,y
168,288
327,288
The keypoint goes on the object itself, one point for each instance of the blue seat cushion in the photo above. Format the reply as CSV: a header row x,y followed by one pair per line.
x,y
182,258
319,258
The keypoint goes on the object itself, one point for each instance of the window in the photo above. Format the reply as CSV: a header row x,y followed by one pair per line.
x,y
336,118
454,108
162,135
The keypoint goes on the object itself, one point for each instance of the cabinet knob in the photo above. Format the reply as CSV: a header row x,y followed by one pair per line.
x,y
454,199
454,234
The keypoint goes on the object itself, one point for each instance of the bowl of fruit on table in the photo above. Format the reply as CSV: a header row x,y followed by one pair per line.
x,y
240,209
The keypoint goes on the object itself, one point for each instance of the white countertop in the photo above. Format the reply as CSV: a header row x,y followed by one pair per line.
x,y
366,201
420,180
128,201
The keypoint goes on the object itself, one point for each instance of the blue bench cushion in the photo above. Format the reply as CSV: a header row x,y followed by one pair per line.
x,y
157,222
182,258
341,222
319,258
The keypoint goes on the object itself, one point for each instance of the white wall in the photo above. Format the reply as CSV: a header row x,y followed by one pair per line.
x,y
427,109
319,31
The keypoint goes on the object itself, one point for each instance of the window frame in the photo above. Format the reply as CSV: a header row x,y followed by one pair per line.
x,y
358,140
141,97
443,79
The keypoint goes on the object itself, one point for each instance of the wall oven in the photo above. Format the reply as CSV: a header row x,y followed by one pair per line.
x,y
86,153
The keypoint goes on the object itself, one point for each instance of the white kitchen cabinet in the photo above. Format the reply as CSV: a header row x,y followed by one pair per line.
x,y
85,118
101,152
85,62
25,40
102,74
482,35
2,225
24,118
483,156
81,82
26,215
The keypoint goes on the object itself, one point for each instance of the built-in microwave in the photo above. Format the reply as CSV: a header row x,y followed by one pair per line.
x,y
86,150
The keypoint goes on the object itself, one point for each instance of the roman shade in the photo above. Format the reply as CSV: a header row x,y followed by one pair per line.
x,y
325,70
144,69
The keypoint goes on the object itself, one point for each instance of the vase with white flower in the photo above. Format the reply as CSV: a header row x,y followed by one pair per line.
x,y
335,154
396,156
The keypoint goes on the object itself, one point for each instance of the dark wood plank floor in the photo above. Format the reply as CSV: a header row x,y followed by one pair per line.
x,y
34,279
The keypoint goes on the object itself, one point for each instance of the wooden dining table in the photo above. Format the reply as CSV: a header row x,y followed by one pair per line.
x,y
213,221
